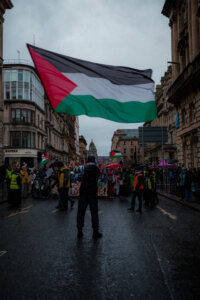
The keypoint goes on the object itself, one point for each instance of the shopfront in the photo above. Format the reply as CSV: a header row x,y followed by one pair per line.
x,y
28,156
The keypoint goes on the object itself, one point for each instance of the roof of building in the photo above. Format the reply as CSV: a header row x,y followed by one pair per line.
x,y
131,133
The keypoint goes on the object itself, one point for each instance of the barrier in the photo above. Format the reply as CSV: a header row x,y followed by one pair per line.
x,y
102,189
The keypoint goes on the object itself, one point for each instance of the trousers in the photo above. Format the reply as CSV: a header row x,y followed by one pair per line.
x,y
84,201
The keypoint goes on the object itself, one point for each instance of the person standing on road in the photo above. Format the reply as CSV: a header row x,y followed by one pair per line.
x,y
138,187
25,181
15,186
132,176
63,187
88,195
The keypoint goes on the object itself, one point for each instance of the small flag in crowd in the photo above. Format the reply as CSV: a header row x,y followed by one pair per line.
x,y
115,154
45,160
79,87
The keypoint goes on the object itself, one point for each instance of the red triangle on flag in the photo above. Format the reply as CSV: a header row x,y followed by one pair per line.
x,y
56,85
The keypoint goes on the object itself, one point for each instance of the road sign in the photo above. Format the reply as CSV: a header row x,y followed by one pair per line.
x,y
153,135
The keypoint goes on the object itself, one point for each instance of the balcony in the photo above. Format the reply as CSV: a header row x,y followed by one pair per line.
x,y
188,79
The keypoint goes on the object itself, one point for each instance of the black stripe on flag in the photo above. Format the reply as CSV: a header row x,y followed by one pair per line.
x,y
117,75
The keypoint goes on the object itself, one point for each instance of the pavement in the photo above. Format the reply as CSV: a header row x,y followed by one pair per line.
x,y
193,204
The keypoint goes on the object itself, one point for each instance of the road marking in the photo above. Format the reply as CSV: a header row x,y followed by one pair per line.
x,y
27,207
3,252
173,217
24,210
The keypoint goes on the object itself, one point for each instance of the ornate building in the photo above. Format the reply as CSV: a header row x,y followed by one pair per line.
x,y
184,92
30,127
57,143
4,4
92,149
126,142
166,117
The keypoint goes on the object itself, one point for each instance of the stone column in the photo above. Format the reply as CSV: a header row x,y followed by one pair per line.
x,y
195,29
174,41
190,31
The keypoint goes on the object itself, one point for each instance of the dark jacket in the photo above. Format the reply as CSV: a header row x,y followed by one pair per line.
x,y
89,180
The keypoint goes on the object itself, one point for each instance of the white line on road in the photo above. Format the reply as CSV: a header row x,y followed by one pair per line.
x,y
3,252
20,211
173,217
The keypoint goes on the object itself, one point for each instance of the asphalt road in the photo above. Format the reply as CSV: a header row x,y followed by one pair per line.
x,y
153,255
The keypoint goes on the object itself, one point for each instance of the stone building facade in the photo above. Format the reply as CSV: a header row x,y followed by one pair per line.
x,y
155,152
82,149
57,143
184,92
4,4
77,151
30,127
126,142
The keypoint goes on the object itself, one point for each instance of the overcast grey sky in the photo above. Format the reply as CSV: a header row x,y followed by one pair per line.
x,y
130,33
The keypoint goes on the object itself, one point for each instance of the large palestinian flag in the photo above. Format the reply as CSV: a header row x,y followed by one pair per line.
x,y
79,87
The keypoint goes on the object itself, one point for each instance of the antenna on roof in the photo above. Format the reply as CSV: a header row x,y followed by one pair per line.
x,y
18,52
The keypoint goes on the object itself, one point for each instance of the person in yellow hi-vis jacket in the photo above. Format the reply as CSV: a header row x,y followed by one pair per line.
x,y
25,181
15,186
63,187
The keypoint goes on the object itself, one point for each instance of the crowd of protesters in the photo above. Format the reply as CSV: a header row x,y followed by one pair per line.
x,y
55,181
48,181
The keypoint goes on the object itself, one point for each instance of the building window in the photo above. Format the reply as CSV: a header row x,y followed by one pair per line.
x,y
124,150
26,139
131,143
131,150
23,85
25,116
192,112
15,139
33,140
183,113
18,115
124,142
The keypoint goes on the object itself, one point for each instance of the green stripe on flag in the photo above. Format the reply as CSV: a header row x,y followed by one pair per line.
x,y
126,112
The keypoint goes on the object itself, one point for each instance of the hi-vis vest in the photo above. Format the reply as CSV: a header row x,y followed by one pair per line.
x,y
13,182
135,182
150,182
8,173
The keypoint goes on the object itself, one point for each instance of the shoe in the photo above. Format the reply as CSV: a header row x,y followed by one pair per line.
x,y
79,234
97,235
139,210
72,204
131,209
